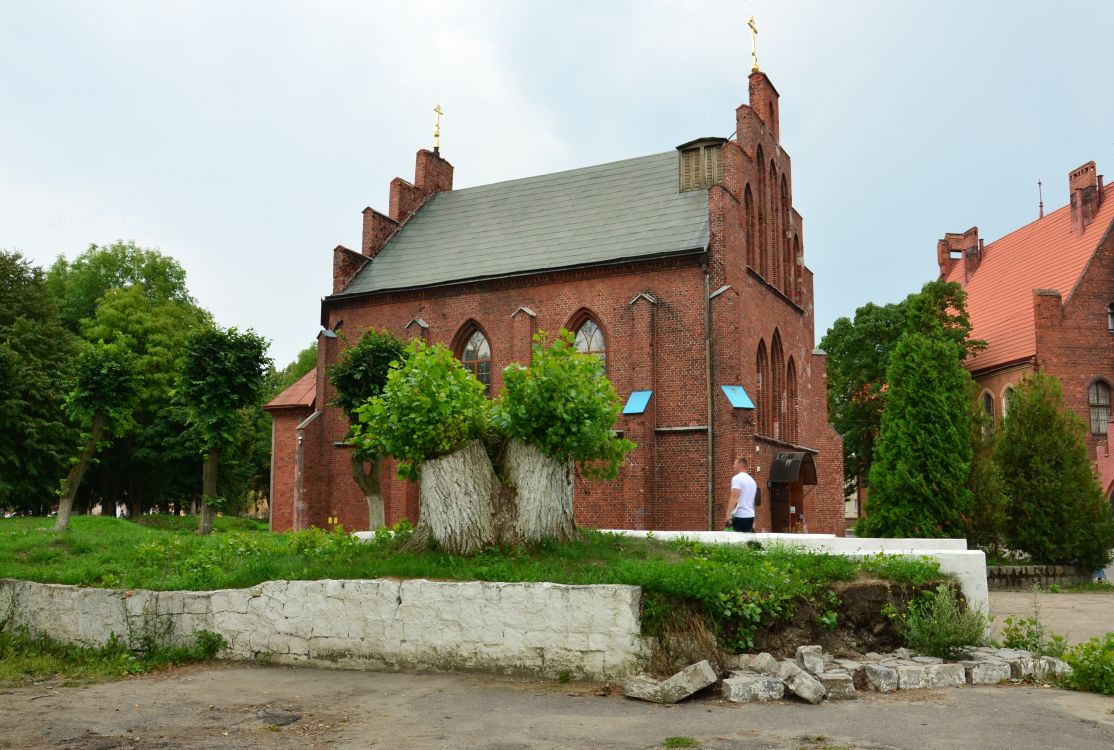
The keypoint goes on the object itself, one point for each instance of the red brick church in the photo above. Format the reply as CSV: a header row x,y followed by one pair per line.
x,y
1042,297
683,270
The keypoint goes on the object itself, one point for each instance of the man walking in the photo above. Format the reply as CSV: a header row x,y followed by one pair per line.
x,y
743,488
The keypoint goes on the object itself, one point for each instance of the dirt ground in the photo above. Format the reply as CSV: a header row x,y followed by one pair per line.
x,y
233,707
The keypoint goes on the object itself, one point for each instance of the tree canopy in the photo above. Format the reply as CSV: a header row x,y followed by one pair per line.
x,y
36,364
923,458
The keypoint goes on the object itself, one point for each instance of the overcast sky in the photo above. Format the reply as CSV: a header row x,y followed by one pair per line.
x,y
244,138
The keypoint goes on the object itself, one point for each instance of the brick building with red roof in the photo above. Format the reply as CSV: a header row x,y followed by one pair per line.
x,y
682,270
1042,297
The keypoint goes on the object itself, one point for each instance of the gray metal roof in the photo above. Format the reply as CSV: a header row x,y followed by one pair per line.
x,y
605,213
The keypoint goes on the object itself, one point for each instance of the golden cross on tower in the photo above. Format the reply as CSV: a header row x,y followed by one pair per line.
x,y
437,130
753,45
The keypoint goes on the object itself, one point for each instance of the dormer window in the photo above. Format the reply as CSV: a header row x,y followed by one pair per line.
x,y
701,163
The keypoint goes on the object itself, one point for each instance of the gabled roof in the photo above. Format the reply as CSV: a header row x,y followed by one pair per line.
x,y
601,214
1046,254
301,394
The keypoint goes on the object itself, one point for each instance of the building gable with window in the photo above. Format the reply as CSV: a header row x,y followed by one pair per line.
x,y
1042,297
683,271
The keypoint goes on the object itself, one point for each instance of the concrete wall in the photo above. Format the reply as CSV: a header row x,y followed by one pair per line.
x,y
968,566
540,628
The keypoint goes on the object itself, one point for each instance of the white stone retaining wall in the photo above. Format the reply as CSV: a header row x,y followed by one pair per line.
x,y
525,628
968,566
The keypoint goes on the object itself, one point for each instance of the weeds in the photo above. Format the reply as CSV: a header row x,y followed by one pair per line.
x,y
939,624
681,742
1092,664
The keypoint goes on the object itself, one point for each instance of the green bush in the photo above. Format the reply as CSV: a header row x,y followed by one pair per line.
x,y
1030,634
430,406
565,405
1092,664
940,624
1056,508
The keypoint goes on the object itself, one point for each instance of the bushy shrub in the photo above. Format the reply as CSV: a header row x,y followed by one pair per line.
x,y
430,406
1030,634
1056,508
565,405
1092,664
939,624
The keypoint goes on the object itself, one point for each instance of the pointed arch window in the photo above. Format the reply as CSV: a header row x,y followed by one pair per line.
x,y
762,378
589,340
791,417
1099,397
476,358
777,388
748,217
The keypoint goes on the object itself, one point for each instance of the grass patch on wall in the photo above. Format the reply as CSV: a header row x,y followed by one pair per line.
x,y
739,589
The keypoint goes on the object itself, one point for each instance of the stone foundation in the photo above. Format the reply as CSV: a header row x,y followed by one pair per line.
x,y
1025,577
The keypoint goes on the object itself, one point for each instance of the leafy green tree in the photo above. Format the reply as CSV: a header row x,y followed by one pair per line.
x,y
360,373
36,363
923,458
223,374
563,404
1056,509
101,402
430,406
78,286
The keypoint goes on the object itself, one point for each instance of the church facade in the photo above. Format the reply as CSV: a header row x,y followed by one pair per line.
x,y
684,271
1042,297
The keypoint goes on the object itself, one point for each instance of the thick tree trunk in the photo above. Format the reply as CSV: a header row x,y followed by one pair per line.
x,y
543,494
208,490
77,471
457,501
465,508
368,482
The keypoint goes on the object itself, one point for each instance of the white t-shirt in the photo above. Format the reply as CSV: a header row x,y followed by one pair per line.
x,y
746,486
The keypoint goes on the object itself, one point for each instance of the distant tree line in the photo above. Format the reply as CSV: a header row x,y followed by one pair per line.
x,y
110,390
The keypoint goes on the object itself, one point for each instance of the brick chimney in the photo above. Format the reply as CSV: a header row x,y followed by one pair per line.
x,y
955,247
1085,186
764,101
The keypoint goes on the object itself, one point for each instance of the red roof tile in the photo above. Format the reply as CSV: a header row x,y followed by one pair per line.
x,y
1045,254
302,393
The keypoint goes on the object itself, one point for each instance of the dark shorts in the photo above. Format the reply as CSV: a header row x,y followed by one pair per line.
x,y
742,524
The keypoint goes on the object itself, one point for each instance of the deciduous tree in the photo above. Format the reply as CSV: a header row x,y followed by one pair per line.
x,y
223,374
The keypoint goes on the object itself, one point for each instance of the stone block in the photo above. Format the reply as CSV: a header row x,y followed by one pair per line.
x,y
753,688
840,685
681,685
903,653
945,675
803,684
912,677
985,672
880,678
927,660
1049,668
810,658
765,664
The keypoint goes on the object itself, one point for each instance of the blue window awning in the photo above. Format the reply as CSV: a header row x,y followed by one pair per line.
x,y
737,396
637,402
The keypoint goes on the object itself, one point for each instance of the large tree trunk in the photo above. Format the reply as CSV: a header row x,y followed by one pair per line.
x,y
77,471
208,490
457,501
368,482
464,507
543,494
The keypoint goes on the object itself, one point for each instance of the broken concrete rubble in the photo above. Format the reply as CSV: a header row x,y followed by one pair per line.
x,y
689,680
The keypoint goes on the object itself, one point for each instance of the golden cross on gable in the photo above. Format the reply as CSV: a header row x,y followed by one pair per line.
x,y
437,130
753,45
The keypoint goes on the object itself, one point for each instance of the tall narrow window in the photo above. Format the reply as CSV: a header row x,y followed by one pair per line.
x,y
1007,400
476,358
1110,317
1099,396
748,217
589,340
777,387
988,410
773,268
762,377
792,433
785,242
763,216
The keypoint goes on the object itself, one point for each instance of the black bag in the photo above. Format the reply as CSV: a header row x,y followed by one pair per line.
x,y
757,496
